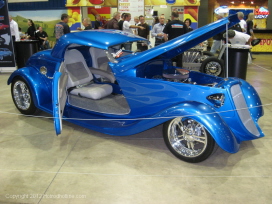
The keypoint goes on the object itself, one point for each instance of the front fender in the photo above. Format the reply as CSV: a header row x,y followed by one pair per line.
x,y
36,84
211,120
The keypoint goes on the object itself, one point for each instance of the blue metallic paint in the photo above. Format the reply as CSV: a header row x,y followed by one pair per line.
x,y
156,101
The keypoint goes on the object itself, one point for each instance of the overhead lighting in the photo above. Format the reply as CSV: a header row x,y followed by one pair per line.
x,y
232,2
252,2
243,2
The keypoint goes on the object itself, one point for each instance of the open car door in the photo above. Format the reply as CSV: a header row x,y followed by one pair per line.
x,y
59,97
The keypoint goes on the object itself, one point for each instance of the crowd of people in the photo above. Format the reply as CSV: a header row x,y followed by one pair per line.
x,y
162,31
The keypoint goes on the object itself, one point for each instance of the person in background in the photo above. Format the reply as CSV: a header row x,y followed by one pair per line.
x,y
121,22
239,38
128,28
113,23
143,33
249,22
87,23
157,31
217,39
42,36
136,22
31,31
250,32
14,29
22,35
98,22
155,20
188,23
175,29
62,28
242,22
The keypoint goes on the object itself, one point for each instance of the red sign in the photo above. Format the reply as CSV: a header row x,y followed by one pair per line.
x,y
261,13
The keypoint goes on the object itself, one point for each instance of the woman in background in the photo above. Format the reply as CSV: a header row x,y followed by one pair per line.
x,y
31,31
188,23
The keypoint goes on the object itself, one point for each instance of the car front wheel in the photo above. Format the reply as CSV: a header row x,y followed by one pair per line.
x,y
188,140
22,96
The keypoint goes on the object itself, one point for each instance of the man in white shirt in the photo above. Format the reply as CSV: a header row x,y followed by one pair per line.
x,y
242,23
14,30
128,28
236,37
157,31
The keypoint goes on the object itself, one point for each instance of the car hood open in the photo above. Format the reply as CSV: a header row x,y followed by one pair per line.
x,y
176,46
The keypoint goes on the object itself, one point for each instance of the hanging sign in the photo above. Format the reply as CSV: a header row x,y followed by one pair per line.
x,y
261,12
6,44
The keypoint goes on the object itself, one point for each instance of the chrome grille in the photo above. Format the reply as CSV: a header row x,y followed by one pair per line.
x,y
242,109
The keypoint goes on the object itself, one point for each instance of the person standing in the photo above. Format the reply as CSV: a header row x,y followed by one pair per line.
x,y
242,22
157,31
121,22
62,28
98,22
87,23
137,22
217,39
31,31
14,30
143,33
175,29
113,23
128,28
188,23
249,22
42,36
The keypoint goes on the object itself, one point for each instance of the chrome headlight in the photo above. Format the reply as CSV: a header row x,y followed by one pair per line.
x,y
217,99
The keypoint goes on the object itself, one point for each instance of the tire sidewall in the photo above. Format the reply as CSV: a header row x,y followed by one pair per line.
x,y
203,156
32,108
210,59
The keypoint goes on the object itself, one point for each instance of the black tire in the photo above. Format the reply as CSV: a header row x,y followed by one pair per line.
x,y
204,55
22,96
213,66
184,145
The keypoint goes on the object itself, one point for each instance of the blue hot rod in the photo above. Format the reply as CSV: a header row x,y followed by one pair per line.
x,y
95,84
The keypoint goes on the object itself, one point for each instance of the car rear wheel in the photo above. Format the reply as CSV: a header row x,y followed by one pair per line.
x,y
22,96
205,55
188,140
213,66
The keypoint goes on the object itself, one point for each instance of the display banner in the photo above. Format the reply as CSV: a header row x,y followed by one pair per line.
x,y
7,58
24,1
134,7
70,3
172,2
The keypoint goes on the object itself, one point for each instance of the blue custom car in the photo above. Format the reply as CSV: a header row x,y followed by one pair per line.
x,y
4,52
95,84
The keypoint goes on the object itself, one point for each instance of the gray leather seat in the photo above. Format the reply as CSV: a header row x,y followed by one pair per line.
x,y
100,61
80,77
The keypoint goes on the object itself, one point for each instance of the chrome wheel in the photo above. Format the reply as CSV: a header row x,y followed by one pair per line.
x,y
187,137
188,140
22,97
212,66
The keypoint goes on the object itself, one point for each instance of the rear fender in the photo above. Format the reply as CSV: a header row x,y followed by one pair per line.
x,y
39,90
211,120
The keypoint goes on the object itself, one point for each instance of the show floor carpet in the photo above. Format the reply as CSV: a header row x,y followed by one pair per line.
x,y
84,166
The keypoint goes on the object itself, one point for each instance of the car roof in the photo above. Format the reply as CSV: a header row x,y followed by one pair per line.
x,y
176,46
102,39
